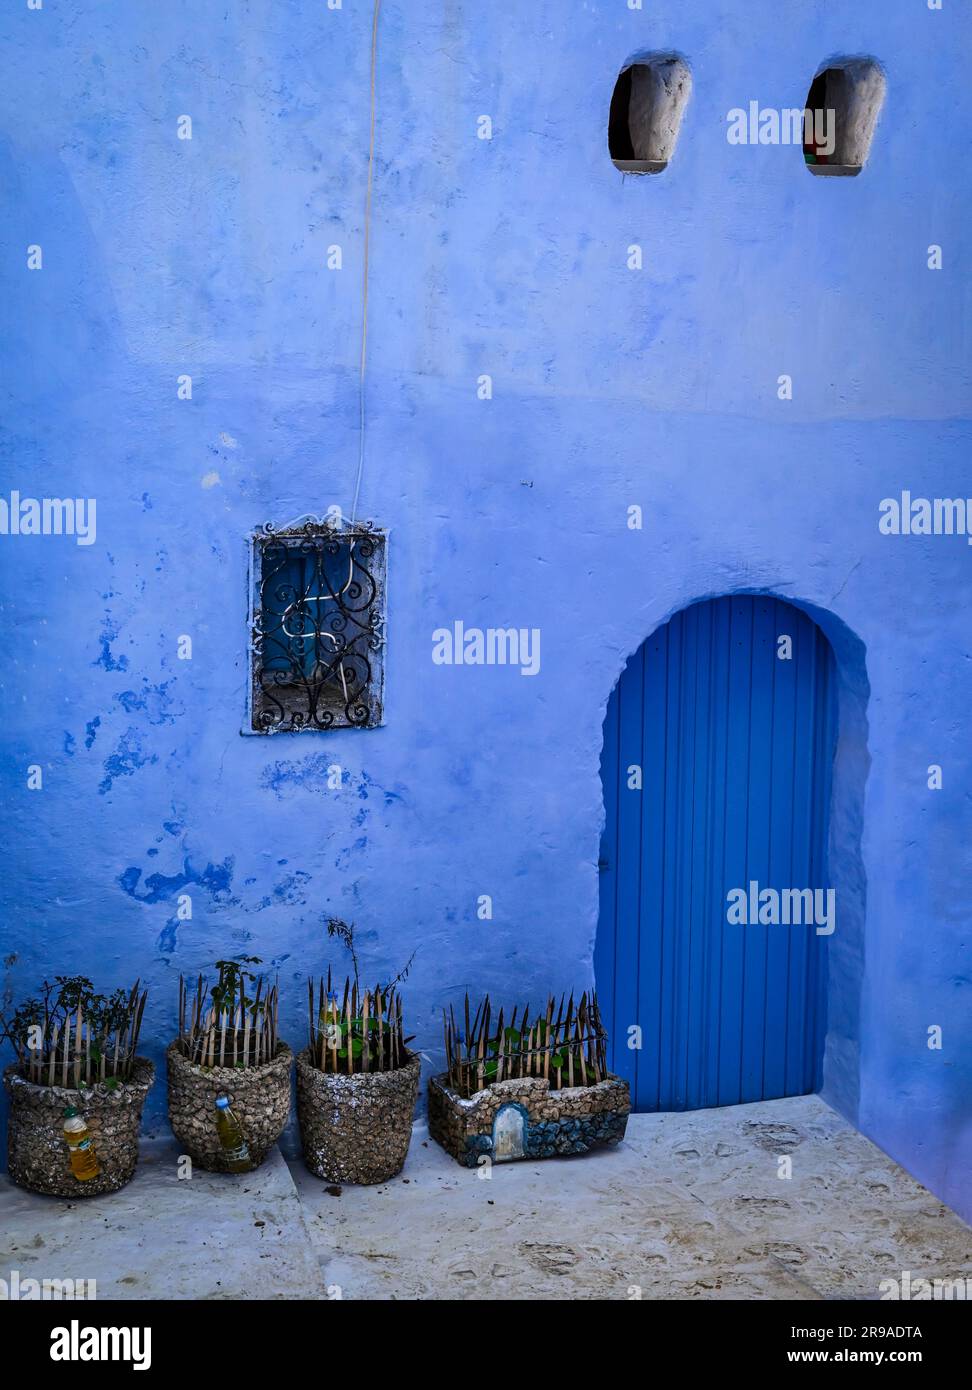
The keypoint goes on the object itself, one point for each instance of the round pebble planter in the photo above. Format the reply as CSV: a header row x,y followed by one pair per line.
x,y
37,1152
260,1097
356,1129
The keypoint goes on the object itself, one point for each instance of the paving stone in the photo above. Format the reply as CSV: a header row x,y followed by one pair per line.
x,y
213,1236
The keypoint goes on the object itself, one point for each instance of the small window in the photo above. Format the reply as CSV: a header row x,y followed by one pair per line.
x,y
317,628
646,112
842,109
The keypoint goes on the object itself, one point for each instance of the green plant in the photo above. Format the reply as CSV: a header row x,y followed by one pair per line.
x,y
565,1049
361,1034
364,1033
234,1023
70,1036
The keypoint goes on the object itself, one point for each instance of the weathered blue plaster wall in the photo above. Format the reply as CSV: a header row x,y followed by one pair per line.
x,y
611,387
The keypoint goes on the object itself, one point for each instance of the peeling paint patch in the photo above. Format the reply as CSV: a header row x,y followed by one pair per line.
x,y
290,890
126,760
344,858
367,785
210,479
154,701
168,937
69,744
91,729
109,631
311,774
216,879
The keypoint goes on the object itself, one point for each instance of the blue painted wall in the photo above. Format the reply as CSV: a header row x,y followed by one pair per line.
x,y
611,388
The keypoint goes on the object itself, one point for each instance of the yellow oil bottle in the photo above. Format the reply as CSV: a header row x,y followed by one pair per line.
x,y
232,1140
84,1160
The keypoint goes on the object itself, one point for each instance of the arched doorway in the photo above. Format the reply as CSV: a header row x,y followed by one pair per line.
x,y
718,752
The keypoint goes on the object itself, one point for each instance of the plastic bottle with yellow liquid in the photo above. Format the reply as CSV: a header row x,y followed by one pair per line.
x,y
232,1140
84,1160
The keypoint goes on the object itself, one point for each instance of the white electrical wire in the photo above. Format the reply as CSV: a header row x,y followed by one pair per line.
x,y
364,279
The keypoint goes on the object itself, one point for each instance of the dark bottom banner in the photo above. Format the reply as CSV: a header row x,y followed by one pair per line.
x,y
230,1341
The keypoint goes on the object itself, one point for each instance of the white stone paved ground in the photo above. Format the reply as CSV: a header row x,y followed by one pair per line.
x,y
214,1236
690,1206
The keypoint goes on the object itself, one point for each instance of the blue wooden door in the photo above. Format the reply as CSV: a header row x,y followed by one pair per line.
x,y
735,746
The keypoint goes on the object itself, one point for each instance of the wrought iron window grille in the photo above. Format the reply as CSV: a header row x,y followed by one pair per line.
x,y
317,627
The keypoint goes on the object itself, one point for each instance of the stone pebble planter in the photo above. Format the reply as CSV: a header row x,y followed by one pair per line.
x,y
524,1118
259,1096
356,1129
37,1152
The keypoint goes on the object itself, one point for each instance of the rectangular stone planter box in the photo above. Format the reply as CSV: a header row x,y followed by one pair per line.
x,y
524,1118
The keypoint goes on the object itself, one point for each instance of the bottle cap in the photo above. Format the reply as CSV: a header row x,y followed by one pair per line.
x,y
70,1112
222,1102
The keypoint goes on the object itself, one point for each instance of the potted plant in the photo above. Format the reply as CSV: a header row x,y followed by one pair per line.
x,y
228,1052
533,1090
357,1082
76,1089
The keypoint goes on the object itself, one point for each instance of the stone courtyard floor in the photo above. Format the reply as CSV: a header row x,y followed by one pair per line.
x,y
690,1206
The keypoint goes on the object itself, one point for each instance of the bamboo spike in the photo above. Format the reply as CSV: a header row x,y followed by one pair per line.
x,y
456,1079
335,1034
347,1019
311,1036
259,1020
67,1045
78,1045
138,1023
365,1043
500,1048
396,1041
556,1041
53,1056
246,1037
546,1039
379,1004
480,1052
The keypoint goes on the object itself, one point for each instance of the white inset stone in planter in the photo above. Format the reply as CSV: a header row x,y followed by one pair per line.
x,y
259,1096
524,1118
37,1150
356,1129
